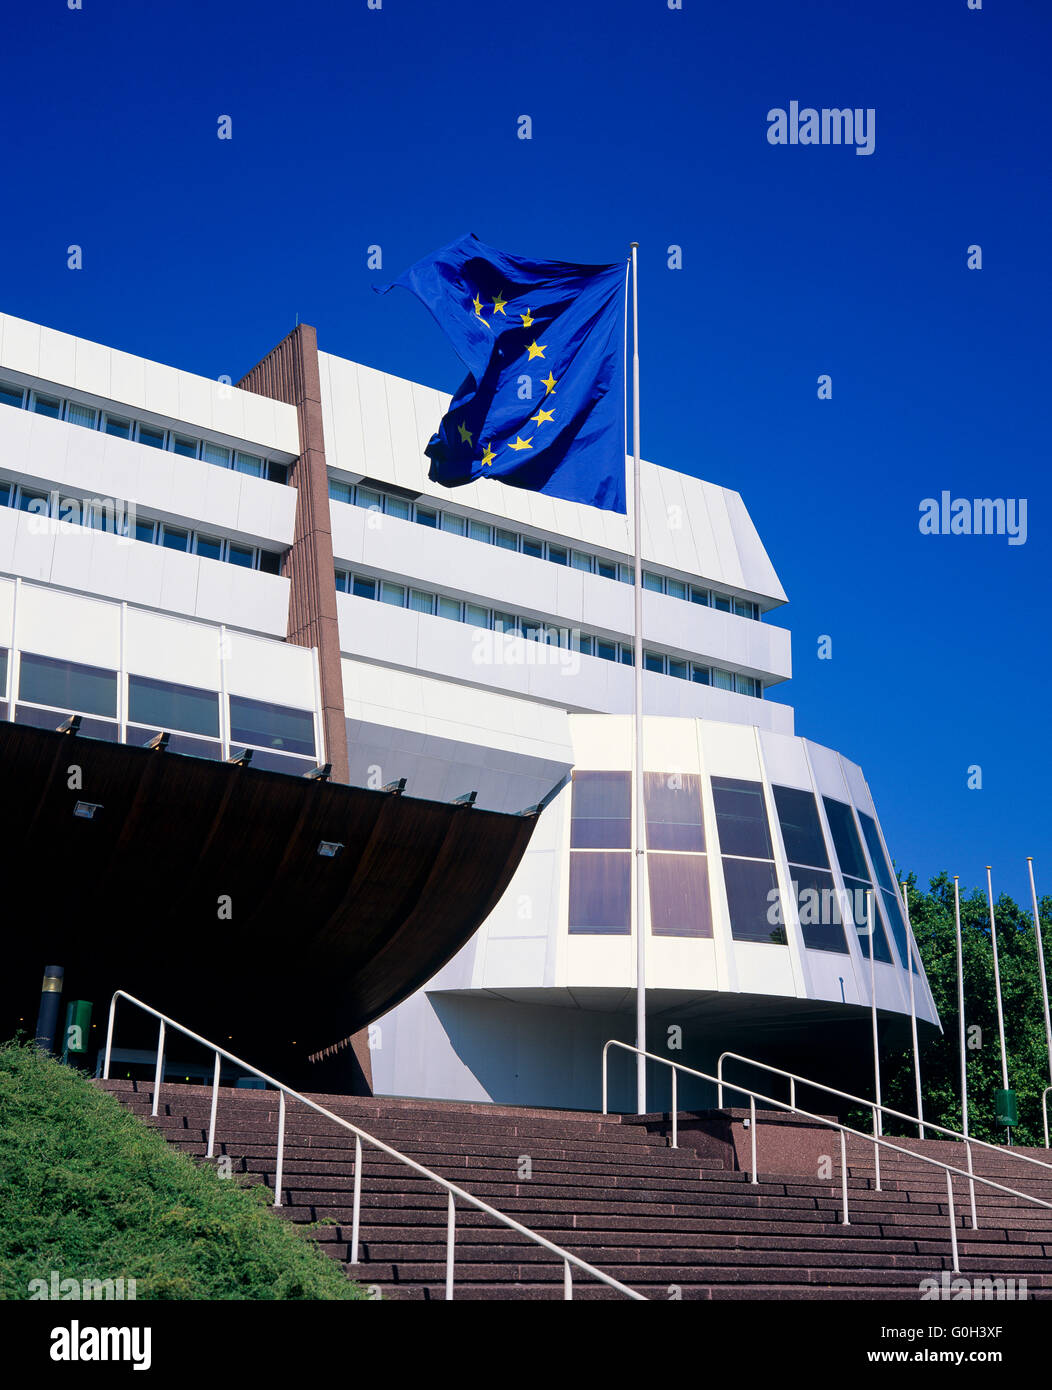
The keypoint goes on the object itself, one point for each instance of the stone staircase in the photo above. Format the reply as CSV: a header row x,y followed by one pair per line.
x,y
670,1223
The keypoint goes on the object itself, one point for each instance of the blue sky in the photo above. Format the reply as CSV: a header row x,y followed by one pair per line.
x,y
397,127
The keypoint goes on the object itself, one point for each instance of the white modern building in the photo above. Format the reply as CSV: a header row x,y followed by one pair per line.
x,y
268,567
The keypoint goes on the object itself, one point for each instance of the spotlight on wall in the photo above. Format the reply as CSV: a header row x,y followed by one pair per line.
x,y
329,849
394,788
240,757
468,799
70,725
321,773
85,810
159,742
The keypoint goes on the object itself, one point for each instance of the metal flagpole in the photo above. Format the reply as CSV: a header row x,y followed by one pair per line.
x,y
997,986
960,1007
1041,963
878,1118
913,1011
639,846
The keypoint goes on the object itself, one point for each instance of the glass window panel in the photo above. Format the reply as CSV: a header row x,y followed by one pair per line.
x,y
242,555
46,405
876,851
5,494
84,415
801,827
281,762
3,673
105,729
818,909
606,569
507,540
653,582
753,901
723,680
583,644
67,685
557,554
673,810
721,602
420,602
342,581
341,492
679,669
892,914
210,547
166,706
599,893
857,889
174,539
144,531
139,734
215,453
271,726
11,394
675,588
278,473
741,817
679,895
394,594
362,587
476,615
653,661
742,609
606,651
581,562
845,838
270,561
601,810
535,549
398,507
453,524
699,596
184,445
479,531
449,608
426,518
626,574
626,654
113,424
151,436
249,464
701,675
37,502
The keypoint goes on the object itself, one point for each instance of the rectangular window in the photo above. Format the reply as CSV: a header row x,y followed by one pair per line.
x,y
753,901
476,615
84,415
699,596
801,828
449,608
723,680
163,705
248,464
139,734
420,602
425,517
174,539
505,622
278,473
210,547
151,436
626,574
453,524
606,569
627,655
818,909
601,810
876,851
271,726
675,588
479,531
341,492
599,894
119,428
653,661
677,669
507,540
368,498
606,651
583,644
701,675
857,894
37,502
673,811
215,453
243,555
653,582
183,445
679,895
144,531
746,685
741,817
394,594
362,587
581,562
45,405
67,685
721,602
342,581
12,395
742,609
397,507
270,561
845,838
534,549
557,554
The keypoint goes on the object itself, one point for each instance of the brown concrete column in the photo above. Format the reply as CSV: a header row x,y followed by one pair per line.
x,y
290,373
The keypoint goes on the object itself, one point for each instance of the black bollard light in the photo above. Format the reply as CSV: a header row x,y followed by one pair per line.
x,y
50,1001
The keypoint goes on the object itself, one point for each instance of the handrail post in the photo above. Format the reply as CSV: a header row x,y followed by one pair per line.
x,y
567,1283
357,1211
876,1150
109,1049
843,1175
792,1093
752,1127
212,1117
160,1068
604,1078
719,1083
971,1185
280,1165
1044,1110
451,1235
675,1135
953,1223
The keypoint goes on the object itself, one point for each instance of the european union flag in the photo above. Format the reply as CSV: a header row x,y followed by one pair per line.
x,y
543,404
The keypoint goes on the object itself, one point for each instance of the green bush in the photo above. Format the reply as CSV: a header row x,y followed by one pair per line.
x,y
90,1191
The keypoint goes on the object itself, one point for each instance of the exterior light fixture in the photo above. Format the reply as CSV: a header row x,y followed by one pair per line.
x,y
329,849
240,757
321,773
70,725
85,810
159,742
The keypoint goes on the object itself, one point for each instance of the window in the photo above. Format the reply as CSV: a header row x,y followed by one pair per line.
x,y
151,436
342,580
581,562
248,463
144,531
721,602
453,524
362,587
626,574
741,818
801,828
270,561
701,675
699,596
675,588
163,705
420,602
679,895
672,801
753,901
723,680
601,810
393,594
653,582
173,538
450,608
888,889
856,878
606,651
476,615
599,894
397,507
12,395
210,547
36,502
507,540
606,569
818,909
67,685
84,415
677,668
626,654
479,531
182,444
653,661
215,453
242,555
535,549
426,517
557,554
45,405
254,722
178,743
341,492
113,424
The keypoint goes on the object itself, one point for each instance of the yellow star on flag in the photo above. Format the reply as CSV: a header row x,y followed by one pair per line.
x,y
465,434
498,305
549,382
536,349
542,415
521,444
488,455
527,318
478,307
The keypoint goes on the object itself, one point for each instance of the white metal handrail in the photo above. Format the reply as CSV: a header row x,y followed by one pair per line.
x,y
1044,1110
844,1130
877,1108
452,1190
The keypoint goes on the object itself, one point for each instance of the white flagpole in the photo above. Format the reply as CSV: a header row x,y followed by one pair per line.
x,y
960,1007
878,1116
913,1012
997,986
1041,963
639,857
